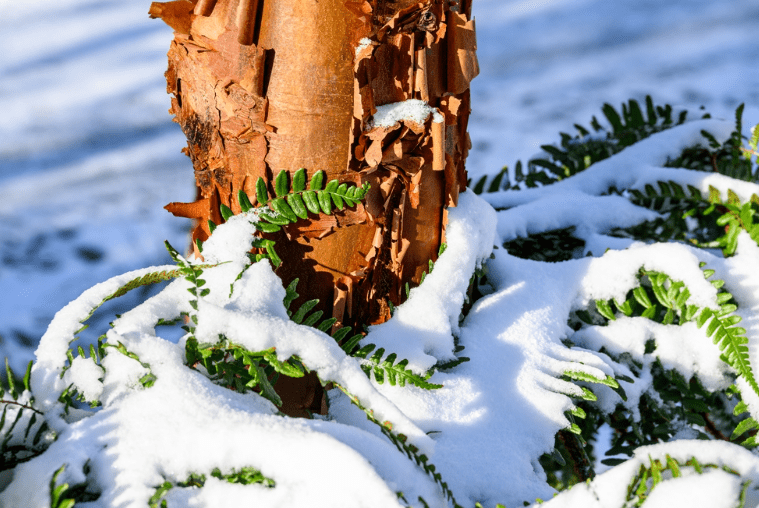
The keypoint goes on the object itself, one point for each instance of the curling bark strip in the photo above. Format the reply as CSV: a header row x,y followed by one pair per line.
x,y
265,86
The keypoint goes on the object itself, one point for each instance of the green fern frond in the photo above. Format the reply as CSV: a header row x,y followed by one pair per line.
x,y
302,316
575,153
748,425
232,365
58,498
576,375
411,451
674,297
245,476
288,205
22,440
291,204
731,340
647,478
396,373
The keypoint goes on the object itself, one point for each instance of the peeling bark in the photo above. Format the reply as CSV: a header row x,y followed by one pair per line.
x,y
261,86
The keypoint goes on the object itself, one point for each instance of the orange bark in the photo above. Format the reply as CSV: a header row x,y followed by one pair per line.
x,y
261,86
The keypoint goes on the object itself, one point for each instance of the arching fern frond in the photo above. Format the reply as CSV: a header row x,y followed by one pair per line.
x,y
626,125
291,204
411,451
672,307
386,367
22,425
288,205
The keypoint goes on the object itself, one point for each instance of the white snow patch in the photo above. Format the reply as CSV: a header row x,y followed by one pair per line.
x,y
413,110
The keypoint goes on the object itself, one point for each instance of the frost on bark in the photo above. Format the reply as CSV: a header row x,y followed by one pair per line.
x,y
261,86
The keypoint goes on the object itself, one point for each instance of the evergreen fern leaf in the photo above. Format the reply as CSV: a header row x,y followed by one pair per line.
x,y
299,180
341,333
267,227
297,205
226,212
303,310
395,372
57,499
262,195
324,201
280,206
589,378
744,426
11,383
281,184
242,198
311,201
731,340
317,180
276,218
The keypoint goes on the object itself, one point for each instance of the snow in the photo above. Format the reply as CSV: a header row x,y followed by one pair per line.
x,y
140,436
422,329
89,116
90,157
548,64
87,376
715,487
412,110
362,44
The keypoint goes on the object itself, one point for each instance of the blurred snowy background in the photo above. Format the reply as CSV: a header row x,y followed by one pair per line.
x,y
89,155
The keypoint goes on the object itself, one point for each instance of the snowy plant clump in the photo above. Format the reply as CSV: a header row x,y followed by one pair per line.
x,y
516,362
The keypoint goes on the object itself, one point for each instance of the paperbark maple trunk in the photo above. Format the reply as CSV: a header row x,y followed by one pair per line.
x,y
262,86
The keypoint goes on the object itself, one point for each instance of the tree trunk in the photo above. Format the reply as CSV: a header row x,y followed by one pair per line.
x,y
263,86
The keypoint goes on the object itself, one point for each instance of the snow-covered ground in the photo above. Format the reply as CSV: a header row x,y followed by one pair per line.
x,y
89,156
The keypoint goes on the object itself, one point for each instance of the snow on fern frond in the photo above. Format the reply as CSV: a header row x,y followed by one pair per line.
x,y
638,164
680,473
422,328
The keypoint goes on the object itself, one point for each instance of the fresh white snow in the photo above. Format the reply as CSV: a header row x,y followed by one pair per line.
x,y
89,157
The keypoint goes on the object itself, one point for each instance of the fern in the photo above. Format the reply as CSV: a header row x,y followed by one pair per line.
x,y
296,203
396,373
288,205
240,369
58,498
32,435
672,201
304,316
676,399
647,478
730,158
245,476
192,274
738,218
673,297
629,124
411,451
748,425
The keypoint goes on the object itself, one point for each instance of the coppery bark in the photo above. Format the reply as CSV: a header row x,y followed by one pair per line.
x,y
261,86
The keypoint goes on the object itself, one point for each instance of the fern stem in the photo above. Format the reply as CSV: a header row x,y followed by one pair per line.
x,y
711,428
23,406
